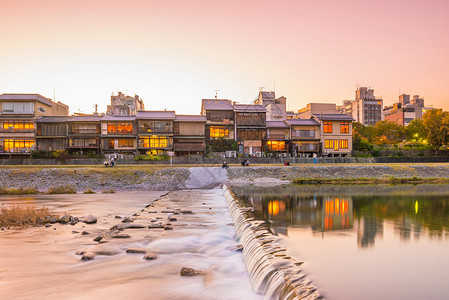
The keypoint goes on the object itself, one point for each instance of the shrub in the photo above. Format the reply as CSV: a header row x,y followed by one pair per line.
x,y
151,157
63,189
18,191
375,153
24,216
89,191
108,191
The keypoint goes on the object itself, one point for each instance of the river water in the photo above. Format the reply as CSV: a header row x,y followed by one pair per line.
x,y
363,242
40,263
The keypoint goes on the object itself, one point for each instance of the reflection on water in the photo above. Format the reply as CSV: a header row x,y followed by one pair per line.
x,y
364,213
372,236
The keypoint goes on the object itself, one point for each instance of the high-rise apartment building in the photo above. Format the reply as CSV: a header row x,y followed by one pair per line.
x,y
122,105
366,108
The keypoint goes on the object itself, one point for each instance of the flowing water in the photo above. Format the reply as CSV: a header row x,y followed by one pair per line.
x,y
40,263
362,242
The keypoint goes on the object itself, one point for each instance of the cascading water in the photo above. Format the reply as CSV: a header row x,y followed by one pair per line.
x,y
272,272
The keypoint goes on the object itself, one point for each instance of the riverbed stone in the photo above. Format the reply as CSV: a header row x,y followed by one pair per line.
x,y
150,256
185,271
90,219
120,236
88,256
98,238
64,219
136,250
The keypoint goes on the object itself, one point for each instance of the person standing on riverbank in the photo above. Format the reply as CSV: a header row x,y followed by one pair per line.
x,y
314,158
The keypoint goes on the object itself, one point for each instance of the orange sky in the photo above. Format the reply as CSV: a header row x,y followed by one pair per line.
x,y
174,53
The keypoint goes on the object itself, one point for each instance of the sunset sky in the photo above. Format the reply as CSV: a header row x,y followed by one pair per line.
x,y
173,53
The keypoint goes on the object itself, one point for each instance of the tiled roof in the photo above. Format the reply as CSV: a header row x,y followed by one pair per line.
x,y
276,124
190,118
118,118
35,97
85,119
156,114
333,117
216,104
50,119
304,122
249,108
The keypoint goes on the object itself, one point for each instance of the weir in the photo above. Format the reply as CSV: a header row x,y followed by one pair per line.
x,y
272,272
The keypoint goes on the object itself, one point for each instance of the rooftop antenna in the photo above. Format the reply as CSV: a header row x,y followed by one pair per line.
x,y
96,108
216,93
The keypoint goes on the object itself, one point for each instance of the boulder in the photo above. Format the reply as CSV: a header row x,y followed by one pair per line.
x,y
191,272
64,219
150,256
90,219
98,238
136,250
120,236
88,256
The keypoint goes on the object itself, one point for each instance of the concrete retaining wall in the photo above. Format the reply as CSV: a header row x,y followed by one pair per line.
x,y
347,160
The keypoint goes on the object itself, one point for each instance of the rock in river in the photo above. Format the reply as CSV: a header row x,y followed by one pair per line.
x,y
90,219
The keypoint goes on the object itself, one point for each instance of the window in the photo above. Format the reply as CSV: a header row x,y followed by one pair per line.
x,y
18,126
328,144
327,127
85,129
18,107
10,145
219,132
336,144
154,142
344,127
344,144
155,126
276,145
125,143
120,128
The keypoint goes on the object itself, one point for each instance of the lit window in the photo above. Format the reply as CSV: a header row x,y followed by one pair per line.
x,y
327,127
218,132
344,127
276,145
328,144
344,144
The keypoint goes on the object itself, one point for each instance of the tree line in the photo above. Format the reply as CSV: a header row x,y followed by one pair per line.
x,y
431,131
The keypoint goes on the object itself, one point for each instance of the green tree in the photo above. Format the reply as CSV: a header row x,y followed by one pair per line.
x,y
436,127
388,132
366,132
415,131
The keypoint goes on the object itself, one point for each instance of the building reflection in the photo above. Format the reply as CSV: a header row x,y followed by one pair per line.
x,y
366,215
321,213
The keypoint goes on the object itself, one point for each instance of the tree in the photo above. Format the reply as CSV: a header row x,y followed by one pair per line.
x,y
366,132
436,127
415,131
388,132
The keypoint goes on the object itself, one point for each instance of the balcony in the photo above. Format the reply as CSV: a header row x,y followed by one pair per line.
x,y
12,130
189,147
306,148
154,146
306,134
277,136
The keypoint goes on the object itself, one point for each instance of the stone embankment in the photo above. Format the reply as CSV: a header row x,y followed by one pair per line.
x,y
124,178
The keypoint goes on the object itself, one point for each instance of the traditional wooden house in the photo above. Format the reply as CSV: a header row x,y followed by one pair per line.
x,y
155,132
189,135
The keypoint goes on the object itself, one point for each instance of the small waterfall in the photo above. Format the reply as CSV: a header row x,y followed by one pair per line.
x,y
272,272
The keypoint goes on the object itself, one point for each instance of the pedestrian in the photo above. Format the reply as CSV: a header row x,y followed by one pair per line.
x,y
112,162
224,165
287,163
314,158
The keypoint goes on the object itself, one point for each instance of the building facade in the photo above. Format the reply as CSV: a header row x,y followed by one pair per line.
x,y
189,136
122,105
304,137
366,108
155,132
405,110
17,120
251,128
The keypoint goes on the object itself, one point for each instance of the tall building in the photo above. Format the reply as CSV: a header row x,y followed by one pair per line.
x,y
366,108
122,105
405,110
276,107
